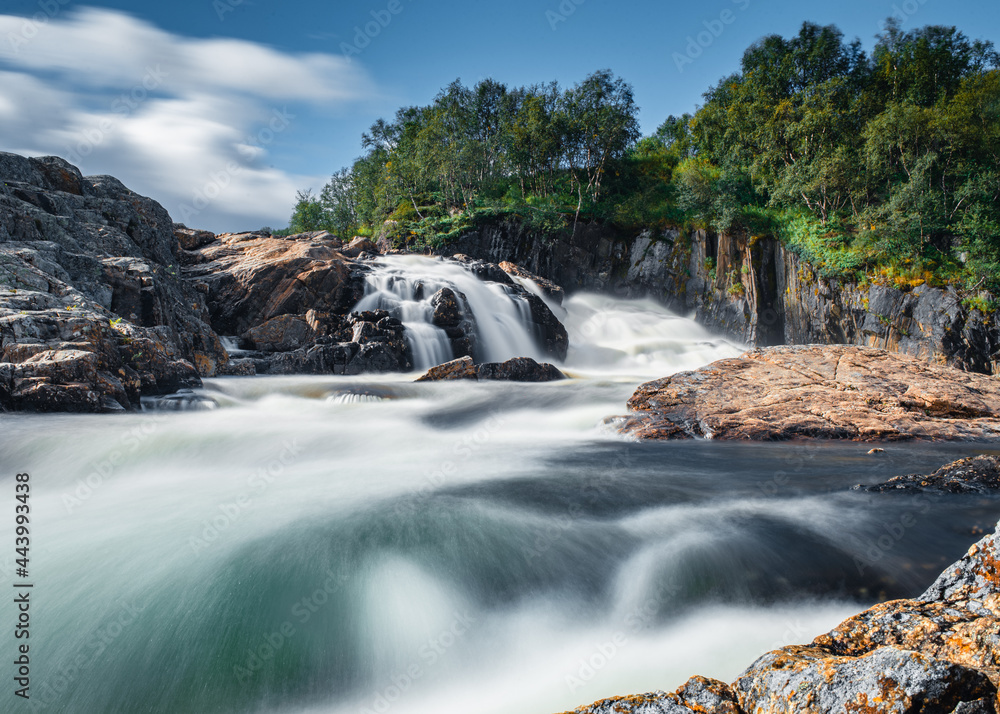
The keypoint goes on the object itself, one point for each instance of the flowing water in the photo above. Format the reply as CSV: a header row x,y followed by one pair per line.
x,y
322,545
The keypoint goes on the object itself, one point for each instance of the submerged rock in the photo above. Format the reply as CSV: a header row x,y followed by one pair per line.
x,y
978,474
518,369
819,392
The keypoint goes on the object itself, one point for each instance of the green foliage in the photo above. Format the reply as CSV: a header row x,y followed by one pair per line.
x,y
880,166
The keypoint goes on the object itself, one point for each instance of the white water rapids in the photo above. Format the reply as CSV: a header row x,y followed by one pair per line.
x,y
337,545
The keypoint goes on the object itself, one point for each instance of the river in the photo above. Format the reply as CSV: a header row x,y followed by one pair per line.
x,y
338,545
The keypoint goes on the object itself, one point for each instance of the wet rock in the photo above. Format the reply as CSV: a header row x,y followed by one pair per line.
x,y
519,369
483,269
550,333
548,288
453,315
821,392
279,334
935,653
978,474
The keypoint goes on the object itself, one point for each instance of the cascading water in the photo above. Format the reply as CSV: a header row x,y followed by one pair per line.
x,y
341,545
404,286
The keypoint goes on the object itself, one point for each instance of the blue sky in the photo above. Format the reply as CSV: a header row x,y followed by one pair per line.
x,y
222,109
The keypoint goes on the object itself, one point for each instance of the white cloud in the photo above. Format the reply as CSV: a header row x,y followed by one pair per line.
x,y
190,122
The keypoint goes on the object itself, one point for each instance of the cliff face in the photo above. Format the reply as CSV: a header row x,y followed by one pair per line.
x,y
754,291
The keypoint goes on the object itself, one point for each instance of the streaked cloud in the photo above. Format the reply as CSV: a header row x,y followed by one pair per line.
x,y
191,122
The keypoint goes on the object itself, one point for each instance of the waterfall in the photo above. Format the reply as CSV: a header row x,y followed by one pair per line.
x,y
405,286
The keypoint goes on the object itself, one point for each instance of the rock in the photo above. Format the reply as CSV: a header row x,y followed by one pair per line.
x,y
699,694
279,334
190,239
550,333
819,392
483,269
549,288
358,246
979,474
322,343
88,266
519,369
453,315
251,279
888,679
461,368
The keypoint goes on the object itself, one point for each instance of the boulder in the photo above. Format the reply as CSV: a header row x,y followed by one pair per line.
x,y
978,474
279,334
888,679
190,239
817,392
518,369
697,695
358,246
453,315
461,368
250,279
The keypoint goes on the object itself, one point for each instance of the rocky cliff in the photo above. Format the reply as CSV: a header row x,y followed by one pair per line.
x,y
753,290
93,312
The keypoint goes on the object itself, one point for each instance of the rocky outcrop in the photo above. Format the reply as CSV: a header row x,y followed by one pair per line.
x,y
753,289
820,392
934,653
288,301
93,313
978,474
518,369
250,278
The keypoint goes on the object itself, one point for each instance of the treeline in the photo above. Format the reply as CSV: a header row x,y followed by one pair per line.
x,y
871,164
894,155
484,146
